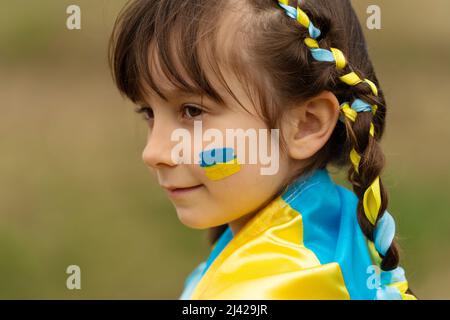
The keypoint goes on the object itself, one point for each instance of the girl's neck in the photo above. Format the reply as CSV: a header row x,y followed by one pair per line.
x,y
238,224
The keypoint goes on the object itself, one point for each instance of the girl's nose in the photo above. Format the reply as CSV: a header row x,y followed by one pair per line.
x,y
158,150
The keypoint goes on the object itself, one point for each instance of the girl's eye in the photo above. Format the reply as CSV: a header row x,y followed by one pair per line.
x,y
147,113
191,111
187,111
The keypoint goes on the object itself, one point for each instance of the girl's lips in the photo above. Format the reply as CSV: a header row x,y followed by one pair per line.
x,y
177,192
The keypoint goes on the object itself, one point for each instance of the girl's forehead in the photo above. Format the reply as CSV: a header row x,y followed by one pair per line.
x,y
174,78
212,63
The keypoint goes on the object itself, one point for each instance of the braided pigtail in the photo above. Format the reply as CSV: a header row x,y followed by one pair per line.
x,y
363,115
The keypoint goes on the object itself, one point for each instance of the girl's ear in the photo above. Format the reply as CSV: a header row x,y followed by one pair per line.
x,y
308,126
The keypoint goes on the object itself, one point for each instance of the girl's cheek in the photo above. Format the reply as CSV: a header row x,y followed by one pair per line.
x,y
219,163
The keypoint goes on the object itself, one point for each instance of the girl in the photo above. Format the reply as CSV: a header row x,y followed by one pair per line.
x,y
300,67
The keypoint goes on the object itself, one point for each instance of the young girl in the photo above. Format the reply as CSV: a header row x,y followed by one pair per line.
x,y
298,66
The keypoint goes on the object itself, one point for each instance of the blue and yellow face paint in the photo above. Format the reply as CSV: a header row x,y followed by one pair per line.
x,y
219,163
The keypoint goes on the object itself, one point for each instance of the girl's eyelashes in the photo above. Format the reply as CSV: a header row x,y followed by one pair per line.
x,y
147,113
187,111
191,111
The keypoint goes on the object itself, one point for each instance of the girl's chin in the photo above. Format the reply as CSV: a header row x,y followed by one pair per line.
x,y
194,219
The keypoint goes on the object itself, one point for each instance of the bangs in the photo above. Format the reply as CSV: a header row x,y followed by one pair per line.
x,y
188,44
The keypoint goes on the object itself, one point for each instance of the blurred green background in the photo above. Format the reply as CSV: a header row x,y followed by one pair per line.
x,y
73,188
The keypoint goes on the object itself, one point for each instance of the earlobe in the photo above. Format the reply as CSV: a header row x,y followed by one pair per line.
x,y
310,125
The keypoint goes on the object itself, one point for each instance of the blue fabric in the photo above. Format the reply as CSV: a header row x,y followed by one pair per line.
x,y
385,292
396,275
191,281
195,276
292,12
361,106
384,233
322,55
388,293
221,243
313,31
331,229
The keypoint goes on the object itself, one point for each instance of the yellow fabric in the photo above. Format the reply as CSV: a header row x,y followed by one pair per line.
x,y
372,201
352,79
402,286
349,112
373,87
375,256
374,108
372,129
303,18
339,57
266,259
372,196
407,296
311,43
352,114
356,159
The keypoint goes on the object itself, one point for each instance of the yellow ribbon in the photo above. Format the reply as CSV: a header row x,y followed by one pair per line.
x,y
302,17
339,57
355,159
372,201
372,196
352,114
311,43
352,79
402,286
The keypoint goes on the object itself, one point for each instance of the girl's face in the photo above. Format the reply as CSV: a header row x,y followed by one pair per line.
x,y
204,202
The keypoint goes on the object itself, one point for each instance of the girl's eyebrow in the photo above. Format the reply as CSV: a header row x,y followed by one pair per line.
x,y
175,95
178,94
171,95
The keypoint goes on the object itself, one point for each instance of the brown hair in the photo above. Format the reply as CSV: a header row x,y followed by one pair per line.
x,y
264,48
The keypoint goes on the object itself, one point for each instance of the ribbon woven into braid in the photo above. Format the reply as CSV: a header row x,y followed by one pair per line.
x,y
393,284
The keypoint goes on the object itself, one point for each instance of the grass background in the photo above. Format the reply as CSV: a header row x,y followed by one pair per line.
x,y
73,189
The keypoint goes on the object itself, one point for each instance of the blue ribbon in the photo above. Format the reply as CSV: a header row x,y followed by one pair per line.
x,y
384,233
322,55
292,12
388,293
393,276
385,292
361,106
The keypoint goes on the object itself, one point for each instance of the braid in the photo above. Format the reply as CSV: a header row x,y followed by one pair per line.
x,y
364,121
368,161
